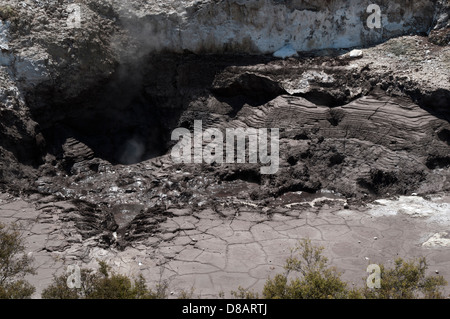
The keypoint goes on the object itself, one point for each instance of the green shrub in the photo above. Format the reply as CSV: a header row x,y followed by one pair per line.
x,y
407,280
15,264
316,281
103,284
187,294
243,293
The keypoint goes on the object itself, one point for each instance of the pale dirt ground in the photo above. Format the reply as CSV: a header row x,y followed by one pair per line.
x,y
215,254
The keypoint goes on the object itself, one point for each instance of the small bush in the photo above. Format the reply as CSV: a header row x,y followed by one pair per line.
x,y
103,284
243,293
407,280
317,281
15,264
187,294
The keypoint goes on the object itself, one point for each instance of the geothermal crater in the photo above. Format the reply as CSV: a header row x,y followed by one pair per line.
x,y
87,113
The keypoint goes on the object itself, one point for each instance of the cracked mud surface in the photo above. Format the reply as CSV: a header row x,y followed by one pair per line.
x,y
218,250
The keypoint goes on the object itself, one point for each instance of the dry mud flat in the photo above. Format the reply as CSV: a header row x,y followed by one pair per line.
x,y
217,250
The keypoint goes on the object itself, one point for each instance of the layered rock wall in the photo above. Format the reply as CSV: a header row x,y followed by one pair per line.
x,y
264,26
64,42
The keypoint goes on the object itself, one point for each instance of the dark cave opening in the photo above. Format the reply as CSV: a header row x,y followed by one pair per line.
x,y
129,117
125,120
125,133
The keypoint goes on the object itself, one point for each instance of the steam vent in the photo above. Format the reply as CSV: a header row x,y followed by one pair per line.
x,y
195,143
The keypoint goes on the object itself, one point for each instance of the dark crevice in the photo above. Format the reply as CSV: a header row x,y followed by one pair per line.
x,y
247,175
248,88
444,136
434,162
377,181
435,102
308,187
326,98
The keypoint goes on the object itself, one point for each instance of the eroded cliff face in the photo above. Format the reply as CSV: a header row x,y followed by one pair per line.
x,y
264,26
73,46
